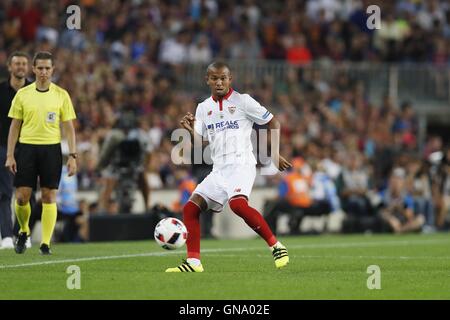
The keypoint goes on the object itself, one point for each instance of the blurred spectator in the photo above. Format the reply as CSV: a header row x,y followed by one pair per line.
x,y
389,38
354,192
87,209
398,205
151,176
47,31
200,51
330,8
293,198
174,50
112,207
419,186
406,124
68,206
245,46
298,52
442,191
324,190
430,13
29,14
433,145
186,186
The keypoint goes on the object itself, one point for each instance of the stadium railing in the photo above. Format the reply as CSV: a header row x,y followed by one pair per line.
x,y
422,83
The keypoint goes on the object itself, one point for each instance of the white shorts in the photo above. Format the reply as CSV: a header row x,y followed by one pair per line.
x,y
224,183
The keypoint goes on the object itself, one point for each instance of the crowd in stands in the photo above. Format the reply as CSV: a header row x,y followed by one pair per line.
x,y
125,62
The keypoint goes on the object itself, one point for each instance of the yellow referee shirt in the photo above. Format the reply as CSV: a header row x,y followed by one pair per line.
x,y
41,113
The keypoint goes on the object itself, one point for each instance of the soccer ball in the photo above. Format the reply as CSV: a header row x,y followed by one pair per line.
x,y
170,233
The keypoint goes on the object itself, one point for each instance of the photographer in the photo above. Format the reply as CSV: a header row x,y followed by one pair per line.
x,y
120,162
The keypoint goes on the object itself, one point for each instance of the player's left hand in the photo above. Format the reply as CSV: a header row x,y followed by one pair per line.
x,y
71,166
281,163
187,122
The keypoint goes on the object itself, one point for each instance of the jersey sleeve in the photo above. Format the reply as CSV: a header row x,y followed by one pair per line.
x,y
67,111
199,125
16,110
256,112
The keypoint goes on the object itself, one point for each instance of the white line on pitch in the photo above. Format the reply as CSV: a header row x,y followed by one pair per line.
x,y
304,246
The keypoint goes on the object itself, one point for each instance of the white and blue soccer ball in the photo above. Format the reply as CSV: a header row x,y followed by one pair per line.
x,y
170,233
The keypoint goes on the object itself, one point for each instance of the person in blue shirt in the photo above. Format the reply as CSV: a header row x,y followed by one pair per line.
x,y
68,207
398,205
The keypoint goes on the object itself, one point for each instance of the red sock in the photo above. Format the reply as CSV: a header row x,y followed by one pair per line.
x,y
253,219
191,218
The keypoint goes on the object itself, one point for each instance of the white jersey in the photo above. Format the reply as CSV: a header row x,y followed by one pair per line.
x,y
227,124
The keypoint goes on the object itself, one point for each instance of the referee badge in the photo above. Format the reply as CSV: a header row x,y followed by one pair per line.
x,y
51,117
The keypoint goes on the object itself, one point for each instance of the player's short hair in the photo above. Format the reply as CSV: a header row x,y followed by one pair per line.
x,y
17,54
43,55
219,64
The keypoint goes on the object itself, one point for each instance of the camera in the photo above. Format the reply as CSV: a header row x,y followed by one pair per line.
x,y
127,163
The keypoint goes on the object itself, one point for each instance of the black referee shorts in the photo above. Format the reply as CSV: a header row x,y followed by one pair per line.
x,y
38,160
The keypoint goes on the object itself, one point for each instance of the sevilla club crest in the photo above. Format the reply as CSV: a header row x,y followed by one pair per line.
x,y
232,109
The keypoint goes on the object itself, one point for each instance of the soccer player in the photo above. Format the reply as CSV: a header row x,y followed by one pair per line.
x,y
36,113
226,120
18,70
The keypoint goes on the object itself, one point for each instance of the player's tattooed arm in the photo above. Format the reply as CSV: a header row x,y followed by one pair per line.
x,y
280,162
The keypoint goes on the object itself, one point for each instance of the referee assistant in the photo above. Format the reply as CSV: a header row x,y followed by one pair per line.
x,y
18,70
36,113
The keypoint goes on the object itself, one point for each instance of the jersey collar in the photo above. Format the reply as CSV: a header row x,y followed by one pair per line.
x,y
42,91
224,97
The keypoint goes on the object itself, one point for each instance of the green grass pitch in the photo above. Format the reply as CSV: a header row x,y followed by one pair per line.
x,y
321,267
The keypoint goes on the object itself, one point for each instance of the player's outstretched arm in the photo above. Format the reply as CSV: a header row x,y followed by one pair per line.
x,y
280,162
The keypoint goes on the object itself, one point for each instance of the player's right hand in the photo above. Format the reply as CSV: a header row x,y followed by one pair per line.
x,y
11,164
187,122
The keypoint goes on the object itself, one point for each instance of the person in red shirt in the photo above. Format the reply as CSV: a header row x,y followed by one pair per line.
x,y
298,53
30,18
